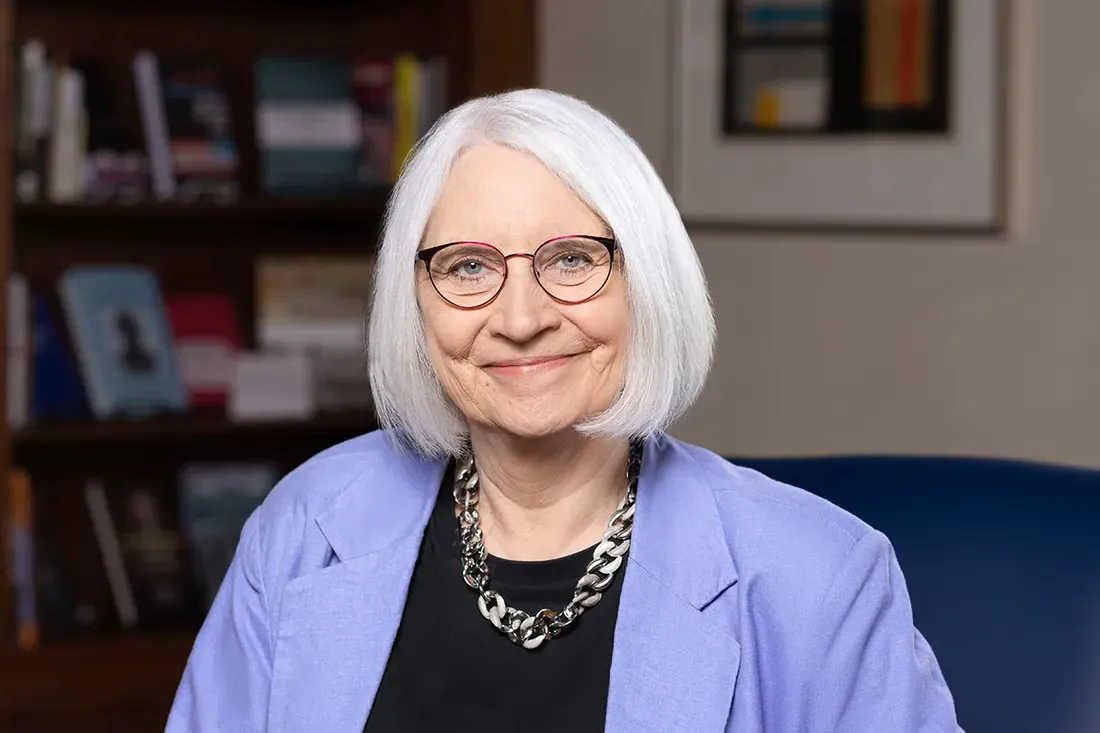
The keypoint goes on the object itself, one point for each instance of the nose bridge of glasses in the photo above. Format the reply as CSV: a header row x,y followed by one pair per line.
x,y
530,256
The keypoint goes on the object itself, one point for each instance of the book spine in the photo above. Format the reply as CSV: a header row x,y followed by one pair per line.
x,y
33,124
22,556
19,349
66,180
151,103
406,90
110,551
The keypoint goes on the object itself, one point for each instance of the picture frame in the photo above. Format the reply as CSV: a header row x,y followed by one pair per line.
x,y
839,114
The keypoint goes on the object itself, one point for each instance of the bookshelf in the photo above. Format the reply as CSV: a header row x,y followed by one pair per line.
x,y
124,680
364,208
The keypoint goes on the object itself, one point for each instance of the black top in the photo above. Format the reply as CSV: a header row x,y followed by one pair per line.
x,y
450,670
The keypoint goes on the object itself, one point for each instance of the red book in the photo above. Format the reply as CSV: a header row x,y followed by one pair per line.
x,y
207,336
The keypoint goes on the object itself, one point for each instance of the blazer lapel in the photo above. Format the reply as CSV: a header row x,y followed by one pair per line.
x,y
673,668
337,625
334,638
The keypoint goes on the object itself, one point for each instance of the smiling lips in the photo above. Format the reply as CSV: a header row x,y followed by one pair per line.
x,y
528,365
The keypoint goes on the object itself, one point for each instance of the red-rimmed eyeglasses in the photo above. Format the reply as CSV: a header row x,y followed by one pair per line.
x,y
571,269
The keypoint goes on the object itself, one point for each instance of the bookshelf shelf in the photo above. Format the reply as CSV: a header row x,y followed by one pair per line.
x,y
190,427
367,206
122,672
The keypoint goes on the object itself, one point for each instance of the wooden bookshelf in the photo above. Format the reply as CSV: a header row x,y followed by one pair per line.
x,y
121,681
365,207
110,680
197,427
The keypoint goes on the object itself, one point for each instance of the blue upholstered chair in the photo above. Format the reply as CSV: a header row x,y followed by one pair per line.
x,y
1002,560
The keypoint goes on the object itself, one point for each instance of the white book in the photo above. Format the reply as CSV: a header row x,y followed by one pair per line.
x,y
153,123
110,551
66,180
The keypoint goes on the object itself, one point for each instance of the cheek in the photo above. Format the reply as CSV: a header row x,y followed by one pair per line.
x,y
450,332
607,326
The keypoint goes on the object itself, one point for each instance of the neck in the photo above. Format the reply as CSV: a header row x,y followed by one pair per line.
x,y
546,498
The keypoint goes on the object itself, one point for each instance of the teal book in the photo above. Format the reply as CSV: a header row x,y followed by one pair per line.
x,y
308,127
122,340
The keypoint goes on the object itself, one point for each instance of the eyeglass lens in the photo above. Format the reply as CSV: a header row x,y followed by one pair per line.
x,y
571,270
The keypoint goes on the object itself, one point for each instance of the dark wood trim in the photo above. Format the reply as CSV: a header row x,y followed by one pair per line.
x,y
503,46
197,427
366,206
92,675
7,53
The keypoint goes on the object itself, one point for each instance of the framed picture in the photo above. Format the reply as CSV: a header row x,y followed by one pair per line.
x,y
849,114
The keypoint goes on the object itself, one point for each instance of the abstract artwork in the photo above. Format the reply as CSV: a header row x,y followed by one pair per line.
x,y
836,66
839,113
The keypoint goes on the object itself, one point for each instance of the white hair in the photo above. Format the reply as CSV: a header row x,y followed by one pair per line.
x,y
672,335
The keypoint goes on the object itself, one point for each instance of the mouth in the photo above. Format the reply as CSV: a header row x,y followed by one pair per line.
x,y
530,364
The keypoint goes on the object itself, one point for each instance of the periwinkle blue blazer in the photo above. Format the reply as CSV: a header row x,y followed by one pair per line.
x,y
747,605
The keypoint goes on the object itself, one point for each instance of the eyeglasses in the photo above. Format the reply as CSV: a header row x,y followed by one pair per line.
x,y
571,269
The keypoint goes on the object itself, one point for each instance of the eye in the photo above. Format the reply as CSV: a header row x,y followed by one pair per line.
x,y
573,260
471,268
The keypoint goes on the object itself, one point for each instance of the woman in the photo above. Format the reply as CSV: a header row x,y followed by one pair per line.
x,y
523,547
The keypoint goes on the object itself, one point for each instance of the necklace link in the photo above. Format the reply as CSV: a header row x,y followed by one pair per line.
x,y
531,630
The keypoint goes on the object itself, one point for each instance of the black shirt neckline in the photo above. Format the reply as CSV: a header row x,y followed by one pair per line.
x,y
519,574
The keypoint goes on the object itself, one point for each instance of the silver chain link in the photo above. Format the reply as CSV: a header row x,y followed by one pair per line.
x,y
531,630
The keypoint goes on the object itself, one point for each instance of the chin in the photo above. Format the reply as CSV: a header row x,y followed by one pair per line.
x,y
533,429
539,417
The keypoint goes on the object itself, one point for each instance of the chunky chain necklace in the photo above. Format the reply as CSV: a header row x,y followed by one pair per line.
x,y
526,630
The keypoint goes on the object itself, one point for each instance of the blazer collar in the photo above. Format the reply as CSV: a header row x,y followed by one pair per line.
x,y
678,534
389,501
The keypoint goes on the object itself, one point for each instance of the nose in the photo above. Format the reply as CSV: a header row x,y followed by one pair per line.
x,y
523,310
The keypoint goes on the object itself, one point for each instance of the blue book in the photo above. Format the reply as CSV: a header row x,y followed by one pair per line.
x,y
57,392
122,341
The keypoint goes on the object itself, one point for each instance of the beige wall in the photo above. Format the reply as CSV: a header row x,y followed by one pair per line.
x,y
828,344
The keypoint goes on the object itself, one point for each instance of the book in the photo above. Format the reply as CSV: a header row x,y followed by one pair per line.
x,y
373,86
308,128
22,559
18,352
144,553
115,166
34,103
207,338
188,128
216,500
57,389
122,340
317,305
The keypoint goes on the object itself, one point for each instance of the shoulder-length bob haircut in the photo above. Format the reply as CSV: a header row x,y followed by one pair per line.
x,y
672,332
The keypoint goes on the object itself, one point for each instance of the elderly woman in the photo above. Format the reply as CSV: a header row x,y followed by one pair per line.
x,y
522,548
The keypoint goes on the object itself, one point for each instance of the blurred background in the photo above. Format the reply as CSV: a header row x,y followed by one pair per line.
x,y
894,202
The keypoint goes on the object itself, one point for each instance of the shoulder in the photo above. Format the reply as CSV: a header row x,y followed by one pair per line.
x,y
349,478
314,484
747,497
786,539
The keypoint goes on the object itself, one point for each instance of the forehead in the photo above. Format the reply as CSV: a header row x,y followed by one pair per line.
x,y
507,197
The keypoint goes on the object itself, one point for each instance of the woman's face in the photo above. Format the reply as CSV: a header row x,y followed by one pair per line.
x,y
524,364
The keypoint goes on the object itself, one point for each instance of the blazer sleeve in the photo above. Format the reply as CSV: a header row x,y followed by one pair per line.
x,y
869,668
227,678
